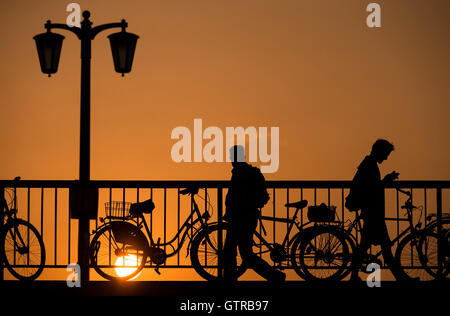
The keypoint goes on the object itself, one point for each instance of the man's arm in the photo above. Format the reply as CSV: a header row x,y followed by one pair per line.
x,y
390,177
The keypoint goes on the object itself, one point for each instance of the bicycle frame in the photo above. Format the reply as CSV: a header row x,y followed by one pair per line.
x,y
188,224
286,242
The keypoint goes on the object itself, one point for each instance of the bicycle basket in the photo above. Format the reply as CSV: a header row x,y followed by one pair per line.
x,y
117,208
321,213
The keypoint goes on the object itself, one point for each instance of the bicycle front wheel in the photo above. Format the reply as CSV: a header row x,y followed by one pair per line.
x,y
118,251
23,250
205,249
322,254
417,257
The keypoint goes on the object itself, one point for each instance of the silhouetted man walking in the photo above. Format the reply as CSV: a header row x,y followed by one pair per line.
x,y
242,214
369,187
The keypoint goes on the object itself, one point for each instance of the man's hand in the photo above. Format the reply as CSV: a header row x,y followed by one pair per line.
x,y
391,176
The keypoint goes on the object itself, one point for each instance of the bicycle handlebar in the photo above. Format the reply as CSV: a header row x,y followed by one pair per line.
x,y
408,193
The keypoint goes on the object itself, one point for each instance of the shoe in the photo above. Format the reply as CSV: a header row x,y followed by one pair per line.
x,y
355,279
278,277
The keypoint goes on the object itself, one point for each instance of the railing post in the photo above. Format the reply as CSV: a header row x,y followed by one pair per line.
x,y
219,239
439,223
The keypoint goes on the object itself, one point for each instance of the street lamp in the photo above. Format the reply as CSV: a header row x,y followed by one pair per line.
x,y
49,46
123,45
49,49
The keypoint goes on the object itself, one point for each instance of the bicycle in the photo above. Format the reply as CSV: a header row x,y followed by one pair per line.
x,y
287,250
416,251
21,246
323,244
119,249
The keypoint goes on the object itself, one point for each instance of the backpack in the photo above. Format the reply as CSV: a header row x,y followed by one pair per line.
x,y
353,201
259,189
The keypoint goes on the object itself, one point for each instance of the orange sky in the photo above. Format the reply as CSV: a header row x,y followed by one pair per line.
x,y
312,68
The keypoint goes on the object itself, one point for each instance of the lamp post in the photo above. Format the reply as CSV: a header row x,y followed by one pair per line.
x,y
49,46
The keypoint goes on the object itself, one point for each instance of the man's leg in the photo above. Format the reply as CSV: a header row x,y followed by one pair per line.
x,y
386,250
260,266
229,256
360,253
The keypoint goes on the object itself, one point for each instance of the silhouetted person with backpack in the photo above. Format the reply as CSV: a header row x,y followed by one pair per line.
x,y
247,193
367,194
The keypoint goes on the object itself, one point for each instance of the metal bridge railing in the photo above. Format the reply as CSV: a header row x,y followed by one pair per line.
x,y
45,204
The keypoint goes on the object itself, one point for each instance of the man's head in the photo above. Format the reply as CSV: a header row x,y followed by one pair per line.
x,y
381,150
237,154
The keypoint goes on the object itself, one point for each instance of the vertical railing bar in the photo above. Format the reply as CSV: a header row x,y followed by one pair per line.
x,y
96,218
151,213
206,207
219,237
329,197
398,216
151,219
69,238
123,201
137,201
412,201
274,202
110,237
14,206
439,224
178,224
123,216
56,224
343,204
28,219
28,204
412,218
138,219
301,198
315,196
287,208
42,212
425,202
165,219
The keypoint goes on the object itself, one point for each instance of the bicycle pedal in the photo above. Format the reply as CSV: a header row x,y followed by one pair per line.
x,y
157,271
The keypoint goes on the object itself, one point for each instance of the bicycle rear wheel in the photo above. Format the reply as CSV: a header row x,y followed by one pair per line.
x,y
417,257
205,250
23,250
322,254
118,251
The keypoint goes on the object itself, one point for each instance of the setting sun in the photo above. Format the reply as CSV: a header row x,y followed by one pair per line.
x,y
127,265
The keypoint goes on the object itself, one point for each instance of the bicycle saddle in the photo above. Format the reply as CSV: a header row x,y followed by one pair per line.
x,y
299,204
141,207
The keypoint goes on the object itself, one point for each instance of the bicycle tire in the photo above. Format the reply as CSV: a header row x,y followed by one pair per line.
x,y
208,268
416,256
107,260
19,235
296,240
314,245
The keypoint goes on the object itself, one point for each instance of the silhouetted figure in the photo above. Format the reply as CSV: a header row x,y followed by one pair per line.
x,y
242,214
369,186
